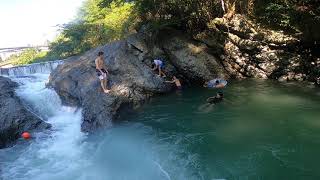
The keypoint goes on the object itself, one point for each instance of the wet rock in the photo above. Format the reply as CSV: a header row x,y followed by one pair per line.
x,y
15,118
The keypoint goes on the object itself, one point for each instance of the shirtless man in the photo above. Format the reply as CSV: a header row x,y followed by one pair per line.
x,y
102,72
177,82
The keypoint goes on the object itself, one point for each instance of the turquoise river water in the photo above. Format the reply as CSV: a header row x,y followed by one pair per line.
x,y
262,130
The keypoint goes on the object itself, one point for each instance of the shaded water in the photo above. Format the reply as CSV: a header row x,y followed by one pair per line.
x,y
262,130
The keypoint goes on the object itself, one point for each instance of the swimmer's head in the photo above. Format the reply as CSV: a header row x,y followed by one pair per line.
x,y
100,53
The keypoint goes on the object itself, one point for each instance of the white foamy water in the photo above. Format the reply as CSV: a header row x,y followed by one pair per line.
x,y
51,152
36,68
125,152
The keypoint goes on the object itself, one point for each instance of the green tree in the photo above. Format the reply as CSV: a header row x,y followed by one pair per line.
x,y
28,56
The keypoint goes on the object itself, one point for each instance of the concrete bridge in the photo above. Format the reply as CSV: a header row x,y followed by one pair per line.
x,y
7,52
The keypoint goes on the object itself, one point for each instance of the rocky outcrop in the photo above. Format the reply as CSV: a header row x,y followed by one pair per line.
x,y
246,50
131,77
131,80
183,56
192,59
14,117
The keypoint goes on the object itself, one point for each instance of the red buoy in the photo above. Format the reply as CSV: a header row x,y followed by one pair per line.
x,y
26,135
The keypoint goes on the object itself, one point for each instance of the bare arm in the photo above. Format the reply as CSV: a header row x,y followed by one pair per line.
x,y
155,67
219,86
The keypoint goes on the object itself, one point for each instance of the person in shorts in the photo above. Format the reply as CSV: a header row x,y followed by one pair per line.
x,y
102,72
158,64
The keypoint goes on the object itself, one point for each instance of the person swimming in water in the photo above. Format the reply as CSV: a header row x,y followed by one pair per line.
x,y
211,102
215,83
176,81
215,99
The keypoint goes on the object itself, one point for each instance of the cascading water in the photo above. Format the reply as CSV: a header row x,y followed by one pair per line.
x,y
45,67
49,152
129,151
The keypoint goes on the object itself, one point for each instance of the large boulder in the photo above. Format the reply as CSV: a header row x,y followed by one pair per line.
x,y
192,58
14,117
132,82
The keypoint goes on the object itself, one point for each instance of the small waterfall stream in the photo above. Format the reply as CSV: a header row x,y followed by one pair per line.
x,y
43,68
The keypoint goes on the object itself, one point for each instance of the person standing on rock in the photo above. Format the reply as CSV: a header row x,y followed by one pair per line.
x,y
102,72
158,64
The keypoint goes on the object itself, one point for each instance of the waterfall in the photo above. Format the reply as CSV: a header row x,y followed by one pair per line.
x,y
44,67
127,151
48,152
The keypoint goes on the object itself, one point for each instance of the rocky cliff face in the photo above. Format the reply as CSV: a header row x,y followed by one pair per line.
x,y
247,50
184,57
131,77
14,117
132,82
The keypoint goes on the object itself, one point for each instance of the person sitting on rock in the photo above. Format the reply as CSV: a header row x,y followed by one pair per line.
x,y
102,71
158,64
176,81
215,99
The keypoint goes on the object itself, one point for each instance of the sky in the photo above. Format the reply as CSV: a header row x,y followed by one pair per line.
x,y
33,22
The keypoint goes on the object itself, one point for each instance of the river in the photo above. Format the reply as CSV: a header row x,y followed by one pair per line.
x,y
262,130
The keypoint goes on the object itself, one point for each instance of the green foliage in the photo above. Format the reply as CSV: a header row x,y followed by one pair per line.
x,y
278,14
98,23
103,21
27,56
189,15
292,16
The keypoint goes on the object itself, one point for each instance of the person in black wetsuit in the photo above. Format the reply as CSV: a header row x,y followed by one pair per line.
x,y
102,71
215,99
